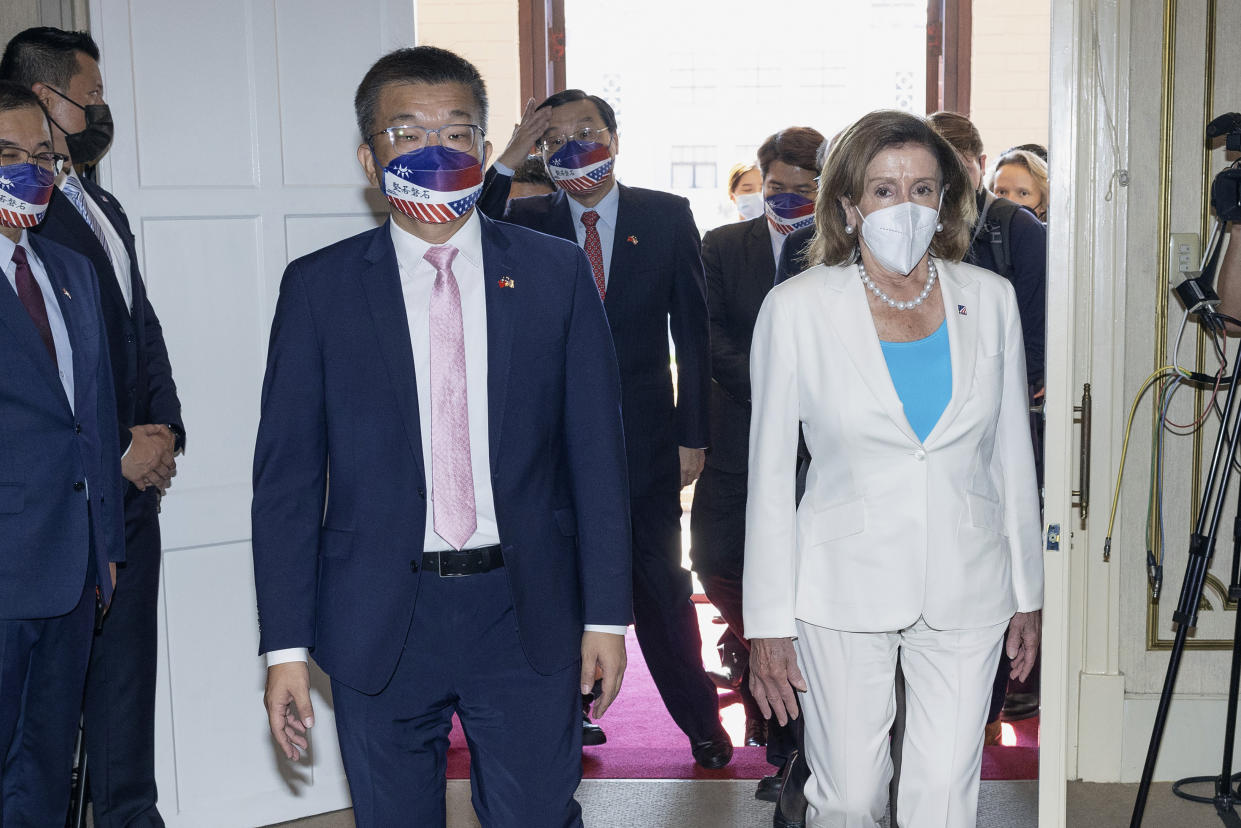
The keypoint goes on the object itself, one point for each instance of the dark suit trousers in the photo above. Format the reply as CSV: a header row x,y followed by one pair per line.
x,y
717,529
665,621
42,670
120,685
462,655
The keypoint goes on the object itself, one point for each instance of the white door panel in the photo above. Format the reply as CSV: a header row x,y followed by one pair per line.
x,y
235,152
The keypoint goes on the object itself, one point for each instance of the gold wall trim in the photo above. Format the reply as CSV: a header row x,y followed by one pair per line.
x,y
1154,641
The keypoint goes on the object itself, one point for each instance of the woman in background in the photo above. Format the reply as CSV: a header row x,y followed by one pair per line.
x,y
745,190
1021,176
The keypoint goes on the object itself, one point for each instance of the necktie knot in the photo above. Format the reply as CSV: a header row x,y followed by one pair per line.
x,y
19,256
590,218
441,257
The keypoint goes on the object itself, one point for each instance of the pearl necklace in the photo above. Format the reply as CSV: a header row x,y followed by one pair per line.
x,y
888,300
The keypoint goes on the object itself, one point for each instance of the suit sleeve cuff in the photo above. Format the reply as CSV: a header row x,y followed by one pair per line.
x,y
275,657
606,628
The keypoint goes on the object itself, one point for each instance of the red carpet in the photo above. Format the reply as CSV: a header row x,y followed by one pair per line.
x,y
644,743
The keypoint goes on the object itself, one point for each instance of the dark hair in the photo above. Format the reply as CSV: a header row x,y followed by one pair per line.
x,y
845,176
571,95
45,55
1037,149
533,171
419,64
795,146
959,131
15,96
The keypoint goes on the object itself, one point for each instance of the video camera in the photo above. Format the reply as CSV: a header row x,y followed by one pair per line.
x,y
1226,190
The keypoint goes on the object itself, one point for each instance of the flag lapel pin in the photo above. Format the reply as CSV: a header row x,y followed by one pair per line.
x,y
632,240
961,310
507,282
65,291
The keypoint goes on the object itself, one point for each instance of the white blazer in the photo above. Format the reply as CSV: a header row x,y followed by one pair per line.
x,y
890,528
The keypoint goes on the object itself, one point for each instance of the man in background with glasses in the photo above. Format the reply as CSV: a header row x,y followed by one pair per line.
x,y
61,529
62,69
643,249
468,553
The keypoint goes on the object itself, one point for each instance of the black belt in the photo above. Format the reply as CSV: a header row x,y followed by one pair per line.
x,y
464,562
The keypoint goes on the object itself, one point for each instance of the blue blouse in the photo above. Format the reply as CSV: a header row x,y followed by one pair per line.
x,y
921,371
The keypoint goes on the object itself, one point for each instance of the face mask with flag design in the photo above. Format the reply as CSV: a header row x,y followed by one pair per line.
x,y
581,167
434,185
25,190
789,211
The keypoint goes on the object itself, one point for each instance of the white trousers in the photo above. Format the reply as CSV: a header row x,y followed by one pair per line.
x,y
849,710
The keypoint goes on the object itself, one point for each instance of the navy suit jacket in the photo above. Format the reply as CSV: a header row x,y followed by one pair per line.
x,y
53,458
141,373
332,553
655,283
740,271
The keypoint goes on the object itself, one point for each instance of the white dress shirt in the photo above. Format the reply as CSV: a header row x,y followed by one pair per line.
x,y
417,279
777,241
55,319
115,248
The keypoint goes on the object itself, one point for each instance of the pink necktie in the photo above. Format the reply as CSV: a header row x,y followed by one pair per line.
x,y
452,477
594,250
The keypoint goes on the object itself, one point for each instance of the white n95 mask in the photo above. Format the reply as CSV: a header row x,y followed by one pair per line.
x,y
898,236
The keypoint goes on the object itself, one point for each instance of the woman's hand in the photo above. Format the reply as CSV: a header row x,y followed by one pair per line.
x,y
1025,632
774,675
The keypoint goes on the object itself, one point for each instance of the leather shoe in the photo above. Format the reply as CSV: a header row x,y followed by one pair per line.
x,y
714,752
1018,706
769,788
592,734
756,732
791,805
724,679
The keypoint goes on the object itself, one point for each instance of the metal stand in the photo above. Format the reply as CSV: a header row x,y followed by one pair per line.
x,y
1201,549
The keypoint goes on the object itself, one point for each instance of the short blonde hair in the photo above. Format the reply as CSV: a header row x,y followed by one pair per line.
x,y
844,175
1036,166
737,171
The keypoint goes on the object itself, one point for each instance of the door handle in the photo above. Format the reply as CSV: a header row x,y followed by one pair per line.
x,y
1082,493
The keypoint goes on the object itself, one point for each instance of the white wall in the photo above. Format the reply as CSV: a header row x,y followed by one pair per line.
x,y
1009,92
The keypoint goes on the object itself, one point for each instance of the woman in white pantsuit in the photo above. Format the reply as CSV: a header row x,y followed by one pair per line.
x,y
918,533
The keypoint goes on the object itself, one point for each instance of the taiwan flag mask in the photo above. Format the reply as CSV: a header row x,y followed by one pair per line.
x,y
789,211
434,184
25,190
581,167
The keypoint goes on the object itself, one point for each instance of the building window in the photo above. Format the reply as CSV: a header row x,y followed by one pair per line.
x,y
693,168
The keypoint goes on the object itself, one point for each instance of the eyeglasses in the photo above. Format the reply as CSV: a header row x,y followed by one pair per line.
x,y
410,138
53,161
552,144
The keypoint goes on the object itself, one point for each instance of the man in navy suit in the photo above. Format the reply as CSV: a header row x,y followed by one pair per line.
x,y
440,501
61,528
62,68
644,253
740,263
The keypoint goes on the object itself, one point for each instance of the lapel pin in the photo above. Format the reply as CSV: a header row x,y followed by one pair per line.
x,y
961,310
507,282
632,239
65,291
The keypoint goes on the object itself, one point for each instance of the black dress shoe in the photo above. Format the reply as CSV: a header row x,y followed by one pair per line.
x,y
592,734
714,752
1018,706
724,679
769,788
756,732
791,805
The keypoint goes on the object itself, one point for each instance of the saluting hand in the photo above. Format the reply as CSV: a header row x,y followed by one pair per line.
x,y
531,128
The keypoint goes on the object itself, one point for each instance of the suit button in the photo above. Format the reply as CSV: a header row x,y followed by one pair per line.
x,y
422,493
413,566
79,486
129,338
77,428
919,455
